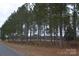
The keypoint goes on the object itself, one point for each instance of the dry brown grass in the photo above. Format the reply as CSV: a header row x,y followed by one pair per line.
x,y
45,48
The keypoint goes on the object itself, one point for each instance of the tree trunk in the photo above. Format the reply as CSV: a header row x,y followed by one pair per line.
x,y
50,29
30,34
26,32
44,32
61,30
74,21
39,31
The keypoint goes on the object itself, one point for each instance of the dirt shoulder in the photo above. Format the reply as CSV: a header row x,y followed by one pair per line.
x,y
41,51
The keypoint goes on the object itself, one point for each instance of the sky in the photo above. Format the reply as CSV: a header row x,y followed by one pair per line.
x,y
7,7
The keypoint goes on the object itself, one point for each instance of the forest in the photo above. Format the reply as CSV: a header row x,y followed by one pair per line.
x,y
37,23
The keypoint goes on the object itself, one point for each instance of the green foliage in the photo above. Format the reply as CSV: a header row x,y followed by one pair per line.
x,y
52,14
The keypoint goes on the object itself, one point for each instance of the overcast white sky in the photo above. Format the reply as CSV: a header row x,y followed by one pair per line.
x,y
7,7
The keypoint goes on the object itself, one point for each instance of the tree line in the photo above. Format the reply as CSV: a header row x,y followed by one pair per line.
x,y
41,22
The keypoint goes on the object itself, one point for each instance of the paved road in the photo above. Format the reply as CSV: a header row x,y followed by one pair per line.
x,y
7,51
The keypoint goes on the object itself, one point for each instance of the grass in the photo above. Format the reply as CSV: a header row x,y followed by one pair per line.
x,y
36,48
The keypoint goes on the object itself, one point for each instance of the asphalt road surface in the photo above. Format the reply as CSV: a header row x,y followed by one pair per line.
x,y
7,51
